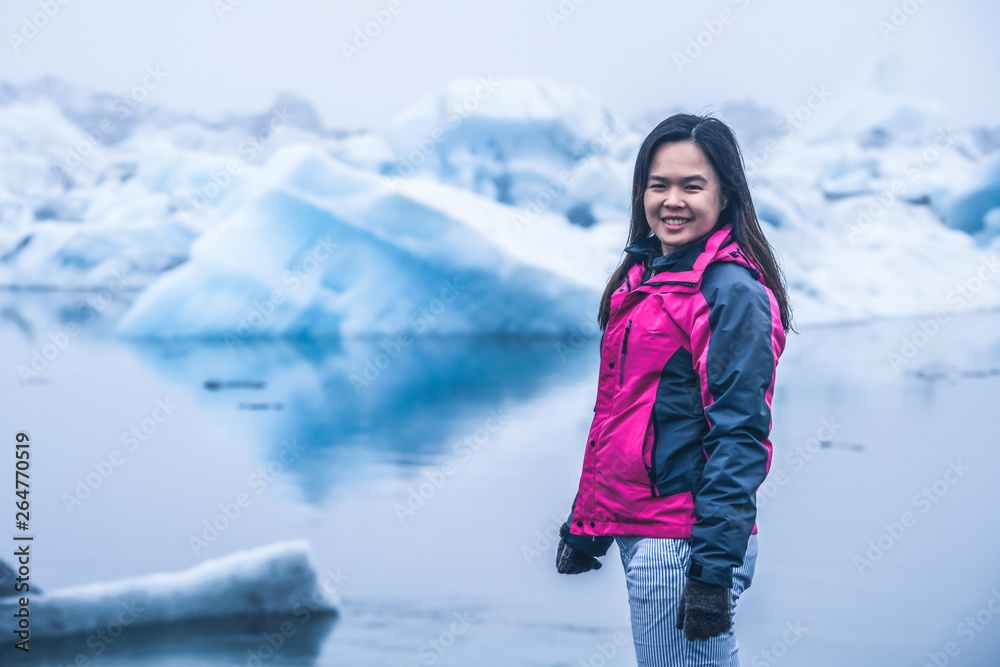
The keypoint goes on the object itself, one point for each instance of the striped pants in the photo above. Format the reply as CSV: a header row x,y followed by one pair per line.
x,y
655,572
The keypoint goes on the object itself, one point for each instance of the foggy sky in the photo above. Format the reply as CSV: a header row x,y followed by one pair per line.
x,y
768,51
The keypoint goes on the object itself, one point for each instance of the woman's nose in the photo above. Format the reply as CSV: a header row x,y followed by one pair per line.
x,y
672,199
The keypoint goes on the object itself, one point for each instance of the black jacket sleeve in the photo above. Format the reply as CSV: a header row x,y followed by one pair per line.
x,y
732,345
591,545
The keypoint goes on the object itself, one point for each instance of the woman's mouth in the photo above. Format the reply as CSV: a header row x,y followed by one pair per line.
x,y
675,222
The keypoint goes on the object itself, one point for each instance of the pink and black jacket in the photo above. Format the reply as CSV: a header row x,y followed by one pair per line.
x,y
679,441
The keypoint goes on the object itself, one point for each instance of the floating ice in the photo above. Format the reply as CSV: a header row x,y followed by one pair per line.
x,y
325,250
274,579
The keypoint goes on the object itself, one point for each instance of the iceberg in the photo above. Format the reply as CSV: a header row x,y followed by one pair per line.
x,y
977,210
94,188
276,579
493,207
325,249
518,141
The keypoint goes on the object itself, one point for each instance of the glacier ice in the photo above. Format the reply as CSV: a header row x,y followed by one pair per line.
x,y
518,188
273,579
325,249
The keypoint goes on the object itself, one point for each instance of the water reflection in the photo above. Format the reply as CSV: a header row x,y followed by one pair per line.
x,y
275,640
357,402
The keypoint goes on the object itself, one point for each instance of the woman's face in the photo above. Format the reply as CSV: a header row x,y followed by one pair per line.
x,y
683,198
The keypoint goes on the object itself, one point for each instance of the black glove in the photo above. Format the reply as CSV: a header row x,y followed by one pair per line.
x,y
574,561
704,610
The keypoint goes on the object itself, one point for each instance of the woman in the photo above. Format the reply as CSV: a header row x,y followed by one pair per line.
x,y
694,321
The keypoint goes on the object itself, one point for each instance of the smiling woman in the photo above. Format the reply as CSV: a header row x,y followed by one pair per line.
x,y
683,198
694,321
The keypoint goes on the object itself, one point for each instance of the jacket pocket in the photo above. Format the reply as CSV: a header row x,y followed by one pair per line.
x,y
648,450
621,359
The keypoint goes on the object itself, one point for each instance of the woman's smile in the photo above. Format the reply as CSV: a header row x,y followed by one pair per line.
x,y
683,199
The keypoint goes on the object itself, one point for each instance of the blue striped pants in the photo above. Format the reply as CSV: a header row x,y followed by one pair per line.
x,y
655,572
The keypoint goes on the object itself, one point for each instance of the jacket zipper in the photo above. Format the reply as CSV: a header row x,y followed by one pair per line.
x,y
674,282
621,364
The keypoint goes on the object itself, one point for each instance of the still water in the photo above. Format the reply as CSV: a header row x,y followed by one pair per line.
x,y
431,477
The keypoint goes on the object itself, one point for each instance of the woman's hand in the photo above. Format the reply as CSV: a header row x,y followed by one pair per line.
x,y
704,610
574,561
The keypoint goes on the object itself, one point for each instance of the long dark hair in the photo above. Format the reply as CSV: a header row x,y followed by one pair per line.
x,y
719,144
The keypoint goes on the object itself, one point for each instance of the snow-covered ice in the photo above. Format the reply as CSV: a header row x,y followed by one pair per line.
x,y
494,206
325,249
277,578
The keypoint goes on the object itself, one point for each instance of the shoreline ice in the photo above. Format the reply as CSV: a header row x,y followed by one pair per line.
x,y
273,579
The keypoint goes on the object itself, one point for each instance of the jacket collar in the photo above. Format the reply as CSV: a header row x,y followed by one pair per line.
x,y
678,261
687,264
